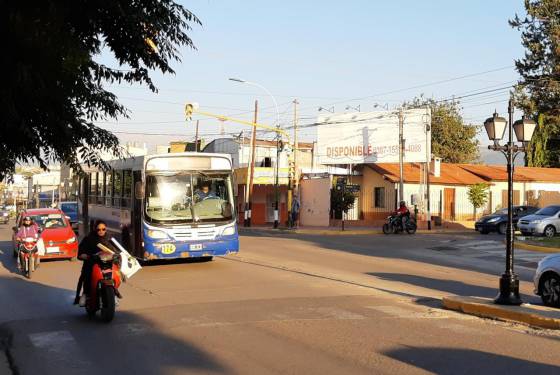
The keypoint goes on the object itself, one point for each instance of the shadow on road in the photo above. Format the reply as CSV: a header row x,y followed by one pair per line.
x,y
448,361
448,286
413,248
6,258
64,341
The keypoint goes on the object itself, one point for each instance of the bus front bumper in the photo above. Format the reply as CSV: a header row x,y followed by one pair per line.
x,y
173,250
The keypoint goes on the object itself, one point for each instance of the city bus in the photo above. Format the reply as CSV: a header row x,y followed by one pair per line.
x,y
165,206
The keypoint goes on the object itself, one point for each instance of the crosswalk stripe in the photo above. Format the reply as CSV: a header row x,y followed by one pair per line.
x,y
60,348
477,243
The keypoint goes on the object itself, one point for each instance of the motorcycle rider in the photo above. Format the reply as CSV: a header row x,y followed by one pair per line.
x,y
86,250
403,212
28,228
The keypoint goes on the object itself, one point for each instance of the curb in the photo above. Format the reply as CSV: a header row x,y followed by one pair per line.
x,y
541,249
535,316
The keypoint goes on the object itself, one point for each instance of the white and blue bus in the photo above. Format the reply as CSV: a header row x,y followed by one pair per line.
x,y
166,206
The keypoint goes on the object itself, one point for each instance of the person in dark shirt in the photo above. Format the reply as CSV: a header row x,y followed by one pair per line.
x,y
86,250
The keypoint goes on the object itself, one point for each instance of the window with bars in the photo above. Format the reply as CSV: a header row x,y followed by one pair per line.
x,y
379,197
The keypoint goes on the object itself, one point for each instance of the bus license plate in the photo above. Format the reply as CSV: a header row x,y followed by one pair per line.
x,y
52,249
197,246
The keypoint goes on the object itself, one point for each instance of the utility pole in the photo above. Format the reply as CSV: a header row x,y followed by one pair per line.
x,y
401,155
250,169
277,182
292,168
253,157
196,137
428,162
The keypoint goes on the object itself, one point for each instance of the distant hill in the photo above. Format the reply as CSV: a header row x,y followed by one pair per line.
x,y
494,157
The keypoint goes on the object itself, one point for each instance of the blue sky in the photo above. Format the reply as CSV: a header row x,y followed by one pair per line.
x,y
327,54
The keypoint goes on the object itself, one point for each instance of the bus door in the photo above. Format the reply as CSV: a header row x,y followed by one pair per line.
x,y
136,218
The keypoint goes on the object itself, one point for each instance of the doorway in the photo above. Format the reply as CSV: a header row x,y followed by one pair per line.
x,y
449,204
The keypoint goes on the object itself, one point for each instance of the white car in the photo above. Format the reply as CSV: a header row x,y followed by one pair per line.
x,y
547,280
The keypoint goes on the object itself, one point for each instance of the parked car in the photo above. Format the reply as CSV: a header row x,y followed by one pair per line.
x,y
4,215
547,280
59,239
545,221
497,222
70,209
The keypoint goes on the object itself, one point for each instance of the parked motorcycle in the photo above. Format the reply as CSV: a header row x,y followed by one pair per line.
x,y
394,224
104,287
28,256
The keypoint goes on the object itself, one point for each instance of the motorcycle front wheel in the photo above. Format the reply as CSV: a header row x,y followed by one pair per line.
x,y
30,266
388,228
108,304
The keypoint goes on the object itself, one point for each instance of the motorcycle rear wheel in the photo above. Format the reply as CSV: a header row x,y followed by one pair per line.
x,y
108,304
411,228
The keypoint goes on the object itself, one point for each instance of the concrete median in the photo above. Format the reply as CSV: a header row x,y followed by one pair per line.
x,y
532,315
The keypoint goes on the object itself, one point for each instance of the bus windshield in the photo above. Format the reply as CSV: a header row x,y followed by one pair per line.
x,y
189,198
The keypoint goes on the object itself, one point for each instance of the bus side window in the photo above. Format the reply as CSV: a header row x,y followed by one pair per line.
x,y
117,188
93,187
108,188
127,188
100,188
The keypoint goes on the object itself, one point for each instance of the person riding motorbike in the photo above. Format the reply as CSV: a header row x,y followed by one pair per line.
x,y
86,251
403,212
27,229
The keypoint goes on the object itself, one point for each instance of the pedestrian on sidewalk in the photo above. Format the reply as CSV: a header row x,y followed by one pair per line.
x,y
295,210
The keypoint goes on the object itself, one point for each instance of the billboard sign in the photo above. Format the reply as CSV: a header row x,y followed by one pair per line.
x,y
373,137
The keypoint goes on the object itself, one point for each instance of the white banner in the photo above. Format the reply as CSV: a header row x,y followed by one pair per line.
x,y
373,137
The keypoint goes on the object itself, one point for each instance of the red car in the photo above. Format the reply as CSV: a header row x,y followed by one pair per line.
x,y
59,239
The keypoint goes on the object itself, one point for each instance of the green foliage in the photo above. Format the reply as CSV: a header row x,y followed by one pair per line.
x,y
53,85
341,201
478,194
452,140
538,92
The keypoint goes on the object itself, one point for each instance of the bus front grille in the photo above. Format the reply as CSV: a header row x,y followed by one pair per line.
x,y
195,235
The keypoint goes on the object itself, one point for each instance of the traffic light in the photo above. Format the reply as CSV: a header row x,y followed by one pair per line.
x,y
190,108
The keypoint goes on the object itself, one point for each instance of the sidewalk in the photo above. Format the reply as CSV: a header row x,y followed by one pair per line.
x,y
531,315
332,231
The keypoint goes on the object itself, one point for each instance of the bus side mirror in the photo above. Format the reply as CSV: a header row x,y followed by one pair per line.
x,y
139,190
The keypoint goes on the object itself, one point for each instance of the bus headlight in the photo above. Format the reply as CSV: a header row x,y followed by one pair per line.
x,y
157,234
229,231
71,240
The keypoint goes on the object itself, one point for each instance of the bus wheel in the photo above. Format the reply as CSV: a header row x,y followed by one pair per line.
x,y
206,259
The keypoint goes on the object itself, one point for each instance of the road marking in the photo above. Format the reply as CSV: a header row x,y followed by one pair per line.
x,y
399,312
477,244
60,346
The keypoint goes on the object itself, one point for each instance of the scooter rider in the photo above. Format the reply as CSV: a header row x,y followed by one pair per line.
x,y
27,229
86,250
403,212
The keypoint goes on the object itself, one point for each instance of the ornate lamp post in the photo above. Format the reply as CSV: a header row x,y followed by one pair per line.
x,y
495,127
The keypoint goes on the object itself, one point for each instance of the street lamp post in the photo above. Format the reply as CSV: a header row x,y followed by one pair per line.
x,y
277,171
495,127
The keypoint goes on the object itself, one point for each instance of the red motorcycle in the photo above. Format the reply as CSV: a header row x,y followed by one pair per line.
x,y
104,287
28,256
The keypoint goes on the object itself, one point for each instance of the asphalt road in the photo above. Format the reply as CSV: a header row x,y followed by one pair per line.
x,y
298,305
